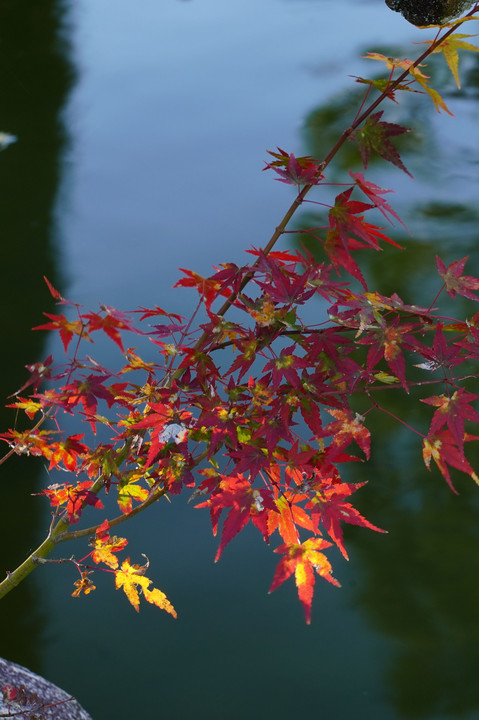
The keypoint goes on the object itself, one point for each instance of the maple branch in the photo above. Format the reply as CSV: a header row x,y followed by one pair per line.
x,y
47,546
76,534
280,229
22,571
416,383
43,550
249,439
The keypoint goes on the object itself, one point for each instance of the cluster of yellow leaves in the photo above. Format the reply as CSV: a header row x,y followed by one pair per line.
x,y
130,577
448,48
419,76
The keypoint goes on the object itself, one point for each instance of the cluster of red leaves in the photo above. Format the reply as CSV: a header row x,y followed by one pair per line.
x,y
259,432
253,437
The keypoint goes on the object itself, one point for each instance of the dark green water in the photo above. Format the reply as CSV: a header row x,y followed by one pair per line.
x,y
141,138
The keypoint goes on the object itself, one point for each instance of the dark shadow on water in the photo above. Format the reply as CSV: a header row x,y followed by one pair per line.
x,y
36,76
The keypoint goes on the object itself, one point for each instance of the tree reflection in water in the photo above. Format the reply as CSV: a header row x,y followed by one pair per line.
x,y
417,585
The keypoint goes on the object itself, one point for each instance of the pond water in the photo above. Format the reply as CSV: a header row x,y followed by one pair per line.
x,y
142,135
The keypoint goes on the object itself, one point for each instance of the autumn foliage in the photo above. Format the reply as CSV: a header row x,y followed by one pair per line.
x,y
248,408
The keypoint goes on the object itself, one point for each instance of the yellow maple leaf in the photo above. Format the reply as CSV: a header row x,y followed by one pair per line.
x,y
135,362
449,49
129,577
156,597
132,579
128,493
422,79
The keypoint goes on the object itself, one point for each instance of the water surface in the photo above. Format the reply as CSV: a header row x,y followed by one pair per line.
x,y
157,164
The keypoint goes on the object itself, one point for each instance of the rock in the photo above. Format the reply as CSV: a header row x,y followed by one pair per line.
x,y
43,700
429,12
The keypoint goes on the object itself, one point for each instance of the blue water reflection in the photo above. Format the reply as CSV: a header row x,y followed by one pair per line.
x,y
173,109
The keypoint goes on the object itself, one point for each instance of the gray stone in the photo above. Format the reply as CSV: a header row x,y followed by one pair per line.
x,y
429,12
51,703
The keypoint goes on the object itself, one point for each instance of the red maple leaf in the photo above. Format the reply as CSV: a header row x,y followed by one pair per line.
x,y
345,218
165,425
28,442
283,284
275,424
374,136
329,507
374,193
87,391
66,328
111,323
208,288
303,559
347,427
66,452
74,496
284,368
153,312
452,411
288,516
338,251
442,448
294,171
441,356
39,372
455,281
246,504
388,340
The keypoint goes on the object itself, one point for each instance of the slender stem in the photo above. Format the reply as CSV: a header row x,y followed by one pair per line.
x,y
395,417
